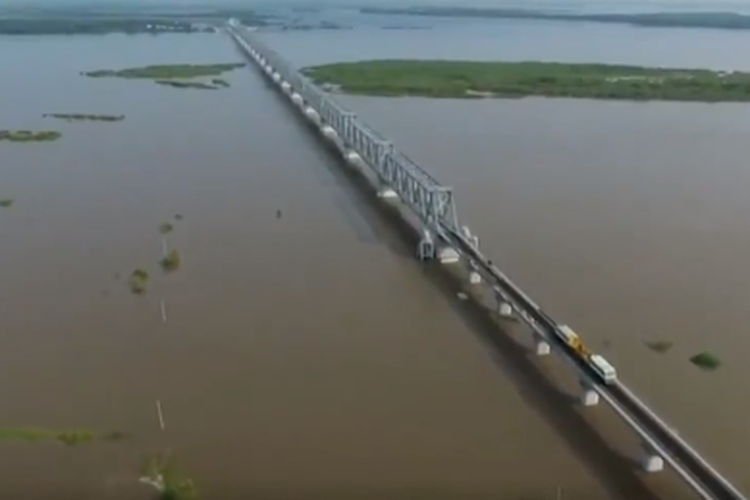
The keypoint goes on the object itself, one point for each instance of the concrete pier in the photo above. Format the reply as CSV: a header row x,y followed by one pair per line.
x,y
297,99
426,247
650,460
589,397
387,193
329,132
542,347
448,255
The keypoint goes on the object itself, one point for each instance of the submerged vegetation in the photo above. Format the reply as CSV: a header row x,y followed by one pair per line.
x,y
660,346
160,470
77,117
7,202
67,437
706,361
521,79
29,135
171,262
166,228
220,82
139,281
167,71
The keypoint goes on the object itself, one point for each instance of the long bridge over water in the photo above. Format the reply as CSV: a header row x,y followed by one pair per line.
x,y
432,205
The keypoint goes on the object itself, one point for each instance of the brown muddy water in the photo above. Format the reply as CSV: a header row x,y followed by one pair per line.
x,y
310,356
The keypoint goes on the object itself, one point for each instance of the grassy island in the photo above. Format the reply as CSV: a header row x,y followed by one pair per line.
x,y
523,79
29,135
167,71
7,202
77,117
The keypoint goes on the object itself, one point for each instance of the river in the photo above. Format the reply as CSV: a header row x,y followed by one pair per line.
x,y
308,354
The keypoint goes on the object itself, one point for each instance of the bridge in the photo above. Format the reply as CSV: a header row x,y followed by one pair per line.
x,y
401,181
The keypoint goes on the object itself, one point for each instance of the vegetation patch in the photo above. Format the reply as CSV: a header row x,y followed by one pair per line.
x,y
167,71
166,228
178,84
660,346
706,361
171,262
7,202
29,135
77,117
466,79
139,281
72,437
160,471
220,82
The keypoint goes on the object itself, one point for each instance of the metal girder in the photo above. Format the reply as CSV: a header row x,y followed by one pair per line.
x,y
432,202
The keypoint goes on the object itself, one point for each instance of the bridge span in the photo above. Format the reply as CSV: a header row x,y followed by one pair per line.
x,y
442,237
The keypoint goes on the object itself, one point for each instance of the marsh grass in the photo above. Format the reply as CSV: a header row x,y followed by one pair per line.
x,y
171,262
161,471
70,437
139,281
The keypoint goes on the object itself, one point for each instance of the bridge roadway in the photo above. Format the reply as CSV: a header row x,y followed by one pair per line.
x,y
444,238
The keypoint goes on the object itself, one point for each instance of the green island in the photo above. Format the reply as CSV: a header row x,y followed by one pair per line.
x,y
78,117
167,71
180,76
466,79
70,437
29,135
7,202
171,261
713,20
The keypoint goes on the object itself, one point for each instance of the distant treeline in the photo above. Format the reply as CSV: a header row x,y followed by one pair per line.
x,y
99,22
719,20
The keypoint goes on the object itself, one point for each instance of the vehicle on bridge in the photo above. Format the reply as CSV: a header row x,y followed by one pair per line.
x,y
603,369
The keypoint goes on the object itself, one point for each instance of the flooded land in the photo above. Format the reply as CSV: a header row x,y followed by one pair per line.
x,y
200,283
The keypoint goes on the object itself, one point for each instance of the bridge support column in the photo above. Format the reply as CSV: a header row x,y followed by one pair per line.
x,y
426,247
329,132
475,278
387,194
285,86
542,346
448,255
504,309
589,397
353,157
297,99
650,460
312,114
276,76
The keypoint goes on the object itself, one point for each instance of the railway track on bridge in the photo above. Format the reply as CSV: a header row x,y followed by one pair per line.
x,y
433,205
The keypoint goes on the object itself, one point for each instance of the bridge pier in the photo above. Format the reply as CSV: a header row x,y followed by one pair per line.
x,y
312,114
353,157
589,397
276,76
329,132
387,193
650,460
448,255
297,99
285,86
542,347
426,246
